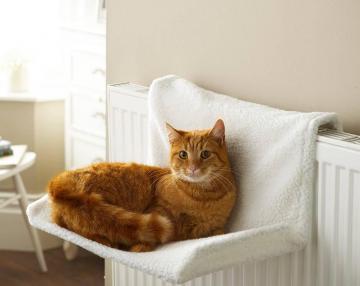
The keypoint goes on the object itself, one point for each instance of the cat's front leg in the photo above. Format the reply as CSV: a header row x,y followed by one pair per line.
x,y
205,230
218,231
200,230
189,228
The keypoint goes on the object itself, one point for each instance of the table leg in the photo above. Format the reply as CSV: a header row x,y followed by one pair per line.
x,y
20,188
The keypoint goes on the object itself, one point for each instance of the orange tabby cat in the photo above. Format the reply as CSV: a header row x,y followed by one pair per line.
x,y
138,207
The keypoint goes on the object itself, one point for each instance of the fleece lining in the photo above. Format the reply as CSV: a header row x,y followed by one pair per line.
x,y
272,153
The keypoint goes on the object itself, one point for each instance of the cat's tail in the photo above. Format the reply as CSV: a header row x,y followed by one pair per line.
x,y
89,214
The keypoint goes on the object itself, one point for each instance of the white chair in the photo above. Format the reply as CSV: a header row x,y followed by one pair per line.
x,y
21,195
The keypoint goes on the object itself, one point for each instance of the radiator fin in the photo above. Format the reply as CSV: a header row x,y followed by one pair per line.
x,y
331,259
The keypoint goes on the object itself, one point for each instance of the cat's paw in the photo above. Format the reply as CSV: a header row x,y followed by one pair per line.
x,y
218,231
142,247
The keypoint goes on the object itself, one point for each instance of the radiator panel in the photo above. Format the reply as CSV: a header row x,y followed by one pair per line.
x,y
332,258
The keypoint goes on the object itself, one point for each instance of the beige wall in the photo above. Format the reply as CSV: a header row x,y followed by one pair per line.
x,y
301,54
40,125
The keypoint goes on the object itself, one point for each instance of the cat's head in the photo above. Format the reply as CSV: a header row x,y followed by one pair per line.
x,y
196,156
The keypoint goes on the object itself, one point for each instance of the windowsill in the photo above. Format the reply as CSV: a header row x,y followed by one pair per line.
x,y
37,95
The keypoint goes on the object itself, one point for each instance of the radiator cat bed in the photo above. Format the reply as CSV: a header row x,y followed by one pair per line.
x,y
272,153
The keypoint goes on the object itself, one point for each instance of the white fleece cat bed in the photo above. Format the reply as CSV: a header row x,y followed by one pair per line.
x,y
272,153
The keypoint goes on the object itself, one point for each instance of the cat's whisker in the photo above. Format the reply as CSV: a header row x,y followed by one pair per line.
x,y
222,179
221,182
226,179
157,176
228,170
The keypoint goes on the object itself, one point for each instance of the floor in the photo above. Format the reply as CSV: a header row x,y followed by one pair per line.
x,y
21,269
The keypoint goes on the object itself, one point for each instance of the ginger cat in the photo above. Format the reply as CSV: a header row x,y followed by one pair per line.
x,y
137,207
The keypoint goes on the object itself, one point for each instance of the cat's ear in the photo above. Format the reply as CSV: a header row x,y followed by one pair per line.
x,y
173,134
218,131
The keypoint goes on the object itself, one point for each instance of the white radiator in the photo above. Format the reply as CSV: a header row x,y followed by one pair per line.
x,y
333,256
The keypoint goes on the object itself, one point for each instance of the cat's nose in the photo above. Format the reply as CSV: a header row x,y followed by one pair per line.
x,y
193,169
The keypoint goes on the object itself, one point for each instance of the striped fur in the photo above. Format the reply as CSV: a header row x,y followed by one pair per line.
x,y
94,215
137,207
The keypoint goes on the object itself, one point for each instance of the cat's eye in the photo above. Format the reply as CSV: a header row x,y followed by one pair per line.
x,y
205,154
183,154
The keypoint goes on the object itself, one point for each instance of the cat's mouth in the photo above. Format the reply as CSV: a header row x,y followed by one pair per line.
x,y
193,178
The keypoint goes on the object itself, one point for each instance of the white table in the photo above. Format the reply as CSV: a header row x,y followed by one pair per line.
x,y
21,195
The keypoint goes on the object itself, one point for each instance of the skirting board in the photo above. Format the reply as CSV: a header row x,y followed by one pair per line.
x,y
14,234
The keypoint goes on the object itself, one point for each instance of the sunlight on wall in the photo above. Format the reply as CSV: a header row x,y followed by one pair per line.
x,y
29,33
